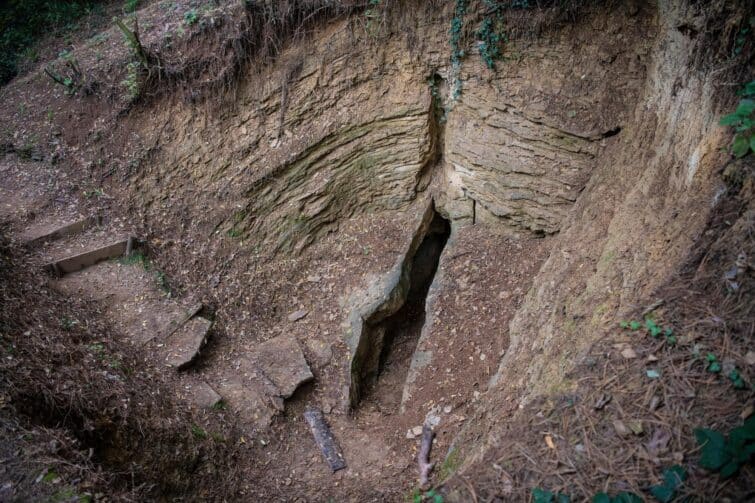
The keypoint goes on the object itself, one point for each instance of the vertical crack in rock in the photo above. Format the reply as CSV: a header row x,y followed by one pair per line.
x,y
390,331
436,117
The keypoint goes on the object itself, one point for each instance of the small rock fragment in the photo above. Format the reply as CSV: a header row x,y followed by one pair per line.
x,y
621,428
747,412
297,315
635,426
416,431
602,401
750,358
628,353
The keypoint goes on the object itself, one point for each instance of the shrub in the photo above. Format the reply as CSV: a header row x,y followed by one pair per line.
x,y
23,22
743,122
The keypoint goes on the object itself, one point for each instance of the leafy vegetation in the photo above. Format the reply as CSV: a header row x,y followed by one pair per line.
x,y
457,53
543,496
138,258
652,329
372,14
198,432
23,22
191,17
723,454
450,464
430,496
491,33
130,6
664,492
673,478
743,122
623,497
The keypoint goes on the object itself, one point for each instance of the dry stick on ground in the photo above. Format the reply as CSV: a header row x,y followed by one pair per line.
x,y
423,457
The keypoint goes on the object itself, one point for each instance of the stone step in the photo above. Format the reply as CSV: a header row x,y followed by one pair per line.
x,y
91,257
35,236
174,325
184,345
202,395
281,361
263,380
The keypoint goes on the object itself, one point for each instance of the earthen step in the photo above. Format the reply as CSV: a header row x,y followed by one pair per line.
x,y
247,401
51,233
91,257
184,345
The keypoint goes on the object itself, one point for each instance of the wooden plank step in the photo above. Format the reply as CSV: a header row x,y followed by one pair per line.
x,y
89,258
38,236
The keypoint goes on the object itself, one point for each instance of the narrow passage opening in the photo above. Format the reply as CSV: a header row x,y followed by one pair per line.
x,y
401,331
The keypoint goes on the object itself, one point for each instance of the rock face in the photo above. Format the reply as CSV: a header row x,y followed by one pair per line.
x,y
585,133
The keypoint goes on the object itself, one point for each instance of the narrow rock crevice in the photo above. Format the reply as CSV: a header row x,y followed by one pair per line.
x,y
392,336
436,117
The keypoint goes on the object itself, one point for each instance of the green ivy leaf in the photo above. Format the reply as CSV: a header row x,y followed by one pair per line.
x,y
730,120
624,324
736,379
748,429
741,146
635,325
745,108
626,497
674,476
748,90
713,452
541,496
601,498
563,498
752,142
662,493
729,469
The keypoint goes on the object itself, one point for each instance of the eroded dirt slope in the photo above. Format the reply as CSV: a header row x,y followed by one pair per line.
x,y
576,179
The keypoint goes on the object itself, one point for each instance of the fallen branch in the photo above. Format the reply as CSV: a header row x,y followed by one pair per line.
x,y
423,457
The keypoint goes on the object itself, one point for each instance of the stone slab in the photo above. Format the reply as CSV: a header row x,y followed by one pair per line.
x,y
80,261
177,324
282,362
183,347
203,396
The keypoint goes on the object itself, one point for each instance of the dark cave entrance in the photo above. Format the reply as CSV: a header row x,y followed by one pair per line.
x,y
399,333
